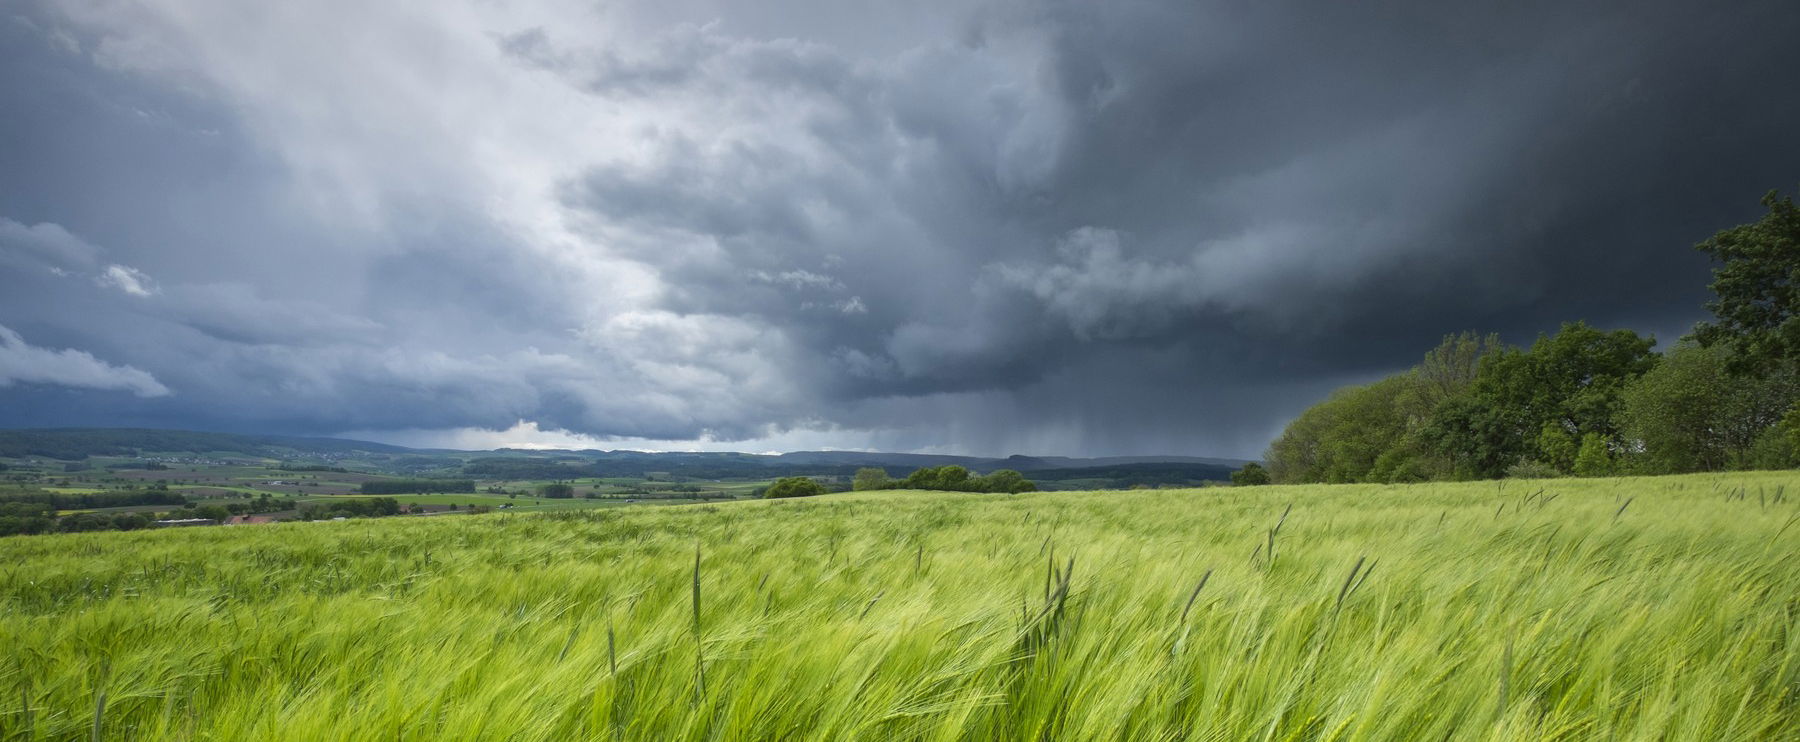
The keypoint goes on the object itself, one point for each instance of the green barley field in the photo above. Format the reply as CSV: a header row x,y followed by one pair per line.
x,y
1607,609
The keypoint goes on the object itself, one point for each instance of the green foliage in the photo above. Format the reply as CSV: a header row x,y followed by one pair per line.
x,y
1774,449
24,518
1757,290
556,490
1491,613
1003,481
1339,440
1572,380
212,512
870,478
1450,368
1375,433
1557,447
1595,458
953,478
1251,475
1691,414
352,507
794,487
416,486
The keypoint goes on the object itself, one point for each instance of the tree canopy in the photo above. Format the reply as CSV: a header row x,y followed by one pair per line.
x,y
1757,289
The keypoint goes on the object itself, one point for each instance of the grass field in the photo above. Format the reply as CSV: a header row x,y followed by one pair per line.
x,y
1615,609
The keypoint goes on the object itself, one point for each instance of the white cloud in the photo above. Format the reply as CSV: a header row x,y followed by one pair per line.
x,y
127,279
21,363
529,435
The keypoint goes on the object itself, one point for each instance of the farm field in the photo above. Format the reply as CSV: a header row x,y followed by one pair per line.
x,y
1570,609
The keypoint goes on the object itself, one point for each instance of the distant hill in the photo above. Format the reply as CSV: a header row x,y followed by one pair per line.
x,y
73,444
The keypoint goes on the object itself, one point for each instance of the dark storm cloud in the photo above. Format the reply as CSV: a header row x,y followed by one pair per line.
x,y
1002,227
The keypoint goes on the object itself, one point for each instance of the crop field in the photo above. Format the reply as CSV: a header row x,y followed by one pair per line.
x,y
1598,609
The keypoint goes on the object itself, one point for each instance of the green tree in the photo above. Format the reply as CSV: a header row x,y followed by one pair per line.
x,y
1451,367
1757,289
1594,460
1252,474
948,477
1691,414
794,487
1340,439
557,490
1573,379
870,478
1004,481
212,512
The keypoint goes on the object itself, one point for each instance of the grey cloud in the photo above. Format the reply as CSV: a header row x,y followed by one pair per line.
x,y
45,246
22,363
999,227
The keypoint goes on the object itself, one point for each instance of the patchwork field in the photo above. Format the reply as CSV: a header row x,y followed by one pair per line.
x,y
1603,609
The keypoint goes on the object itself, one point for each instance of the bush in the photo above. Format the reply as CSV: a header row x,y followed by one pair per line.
x,y
1532,469
1005,481
1252,474
794,487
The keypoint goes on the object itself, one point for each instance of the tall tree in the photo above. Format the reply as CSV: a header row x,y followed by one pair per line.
x,y
1757,289
1451,367
1340,439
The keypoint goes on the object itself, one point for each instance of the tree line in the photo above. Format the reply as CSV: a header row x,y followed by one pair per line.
x,y
1584,401
96,500
417,486
947,478
34,513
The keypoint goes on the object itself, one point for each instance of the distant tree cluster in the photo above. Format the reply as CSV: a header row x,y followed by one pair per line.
x,y
351,507
1584,401
27,518
794,487
557,491
949,478
417,486
96,500
1252,474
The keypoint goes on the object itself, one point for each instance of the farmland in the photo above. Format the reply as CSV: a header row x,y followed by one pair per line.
x,y
1623,608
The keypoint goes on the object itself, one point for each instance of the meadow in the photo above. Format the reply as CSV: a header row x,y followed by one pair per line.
x,y
1593,609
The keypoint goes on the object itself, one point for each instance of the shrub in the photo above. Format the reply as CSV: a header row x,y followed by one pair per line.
x,y
1252,474
1532,469
794,487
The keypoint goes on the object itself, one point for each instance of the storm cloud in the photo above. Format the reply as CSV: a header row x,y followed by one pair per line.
x,y
990,228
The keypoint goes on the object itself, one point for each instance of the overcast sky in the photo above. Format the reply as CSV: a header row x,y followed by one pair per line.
x,y
1011,227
